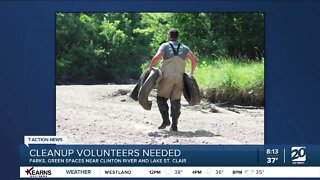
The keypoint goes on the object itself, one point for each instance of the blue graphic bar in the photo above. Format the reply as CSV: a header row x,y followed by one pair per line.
x,y
169,155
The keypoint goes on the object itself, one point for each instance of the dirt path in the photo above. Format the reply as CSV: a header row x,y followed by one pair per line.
x,y
99,114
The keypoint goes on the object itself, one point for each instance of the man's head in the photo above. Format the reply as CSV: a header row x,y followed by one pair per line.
x,y
173,34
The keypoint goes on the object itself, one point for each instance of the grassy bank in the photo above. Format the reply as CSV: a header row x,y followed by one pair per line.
x,y
230,81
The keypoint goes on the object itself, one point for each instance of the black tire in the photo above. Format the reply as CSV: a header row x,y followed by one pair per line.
x,y
135,91
149,81
191,91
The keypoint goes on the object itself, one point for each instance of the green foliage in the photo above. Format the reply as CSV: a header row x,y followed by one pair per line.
x,y
223,34
100,47
228,79
95,47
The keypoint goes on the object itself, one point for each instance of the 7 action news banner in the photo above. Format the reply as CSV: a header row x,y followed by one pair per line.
x,y
49,156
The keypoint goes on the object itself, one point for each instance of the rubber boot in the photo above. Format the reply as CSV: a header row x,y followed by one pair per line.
x,y
175,113
163,108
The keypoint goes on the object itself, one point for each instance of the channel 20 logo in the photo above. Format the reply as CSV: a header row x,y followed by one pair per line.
x,y
298,155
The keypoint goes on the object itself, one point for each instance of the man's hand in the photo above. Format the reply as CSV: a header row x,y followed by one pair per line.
x,y
194,61
155,59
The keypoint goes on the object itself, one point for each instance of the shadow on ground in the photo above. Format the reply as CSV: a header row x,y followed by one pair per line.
x,y
186,134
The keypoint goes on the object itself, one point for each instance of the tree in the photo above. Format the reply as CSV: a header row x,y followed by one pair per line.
x,y
100,47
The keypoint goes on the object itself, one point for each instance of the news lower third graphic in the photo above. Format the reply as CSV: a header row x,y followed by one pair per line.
x,y
51,157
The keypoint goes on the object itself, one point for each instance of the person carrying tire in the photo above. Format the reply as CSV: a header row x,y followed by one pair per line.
x,y
170,85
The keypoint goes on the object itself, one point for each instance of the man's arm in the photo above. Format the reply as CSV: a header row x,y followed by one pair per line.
x,y
194,61
156,59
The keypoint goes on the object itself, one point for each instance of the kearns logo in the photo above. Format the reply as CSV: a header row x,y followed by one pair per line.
x,y
35,173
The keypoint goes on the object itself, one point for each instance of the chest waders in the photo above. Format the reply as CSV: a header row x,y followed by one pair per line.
x,y
171,86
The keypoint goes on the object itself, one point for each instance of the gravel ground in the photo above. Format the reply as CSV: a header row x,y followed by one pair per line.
x,y
105,114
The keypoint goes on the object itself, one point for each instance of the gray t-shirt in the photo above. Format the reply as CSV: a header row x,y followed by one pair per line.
x,y
168,51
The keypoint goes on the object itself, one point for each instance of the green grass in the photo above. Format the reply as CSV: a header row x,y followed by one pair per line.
x,y
231,80
235,81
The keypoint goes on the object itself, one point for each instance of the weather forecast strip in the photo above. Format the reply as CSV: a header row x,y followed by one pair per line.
x,y
158,172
